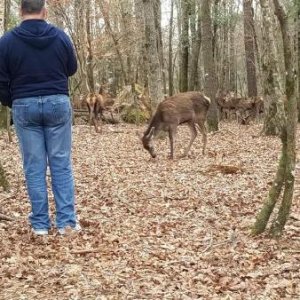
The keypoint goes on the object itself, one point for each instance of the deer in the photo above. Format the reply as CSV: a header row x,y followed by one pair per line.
x,y
242,107
96,104
184,108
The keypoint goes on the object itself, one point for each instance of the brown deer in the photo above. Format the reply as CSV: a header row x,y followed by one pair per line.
x,y
185,108
97,104
243,108
94,103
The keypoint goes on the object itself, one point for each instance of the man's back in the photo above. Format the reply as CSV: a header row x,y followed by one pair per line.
x,y
39,58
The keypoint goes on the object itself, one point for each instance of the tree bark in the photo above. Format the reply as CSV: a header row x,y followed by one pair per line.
x,y
210,83
196,45
157,15
215,18
285,174
154,69
298,55
232,50
6,27
105,12
273,99
141,49
170,66
291,125
249,48
90,56
3,181
184,45
223,58
129,38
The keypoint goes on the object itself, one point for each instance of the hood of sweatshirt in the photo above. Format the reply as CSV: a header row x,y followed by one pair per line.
x,y
37,33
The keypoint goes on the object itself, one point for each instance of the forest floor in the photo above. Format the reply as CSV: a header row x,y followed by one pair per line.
x,y
154,228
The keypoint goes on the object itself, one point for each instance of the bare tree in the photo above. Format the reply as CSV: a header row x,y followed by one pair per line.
x,y
154,69
184,46
195,46
157,17
105,11
170,67
7,7
298,54
249,47
90,56
3,180
141,46
4,112
274,111
286,169
232,48
210,83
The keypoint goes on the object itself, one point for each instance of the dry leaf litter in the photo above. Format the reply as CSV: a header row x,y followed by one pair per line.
x,y
154,228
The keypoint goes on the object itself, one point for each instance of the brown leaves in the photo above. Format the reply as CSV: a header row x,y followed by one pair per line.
x,y
153,229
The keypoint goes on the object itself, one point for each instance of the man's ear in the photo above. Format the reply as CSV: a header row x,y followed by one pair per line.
x,y
45,13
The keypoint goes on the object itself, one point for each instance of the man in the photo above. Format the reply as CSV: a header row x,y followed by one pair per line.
x,y
36,60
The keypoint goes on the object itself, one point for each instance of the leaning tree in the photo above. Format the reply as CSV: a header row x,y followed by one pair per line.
x,y
284,180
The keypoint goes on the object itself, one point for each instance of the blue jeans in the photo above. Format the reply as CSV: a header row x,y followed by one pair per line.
x,y
43,126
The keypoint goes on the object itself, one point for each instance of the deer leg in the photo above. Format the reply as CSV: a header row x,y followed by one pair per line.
x,y
172,136
90,115
193,136
96,120
203,130
112,116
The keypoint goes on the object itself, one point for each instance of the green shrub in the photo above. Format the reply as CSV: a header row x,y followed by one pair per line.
x,y
134,115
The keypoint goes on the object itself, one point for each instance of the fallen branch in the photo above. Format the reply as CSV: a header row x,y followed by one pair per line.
x,y
5,218
225,169
210,244
85,251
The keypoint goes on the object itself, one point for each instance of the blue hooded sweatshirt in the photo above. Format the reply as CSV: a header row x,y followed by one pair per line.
x,y
36,59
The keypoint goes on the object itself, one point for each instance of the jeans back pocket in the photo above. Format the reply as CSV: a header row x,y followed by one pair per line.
x,y
20,115
57,112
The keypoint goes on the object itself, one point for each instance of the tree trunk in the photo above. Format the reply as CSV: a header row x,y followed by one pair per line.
x,y
210,83
232,50
154,69
141,50
105,11
196,45
90,56
78,38
286,169
170,67
298,48
184,45
215,26
3,181
157,15
6,27
127,33
249,48
273,99
223,58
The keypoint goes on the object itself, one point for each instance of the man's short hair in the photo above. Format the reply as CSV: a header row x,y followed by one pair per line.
x,y
32,6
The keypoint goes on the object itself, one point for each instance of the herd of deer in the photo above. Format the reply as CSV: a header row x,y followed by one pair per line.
x,y
188,108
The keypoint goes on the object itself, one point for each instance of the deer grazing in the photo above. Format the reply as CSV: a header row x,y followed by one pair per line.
x,y
185,108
